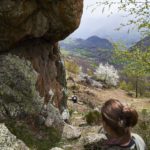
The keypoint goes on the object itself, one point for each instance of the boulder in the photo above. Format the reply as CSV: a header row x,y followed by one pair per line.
x,y
92,141
32,74
65,115
8,141
71,132
84,78
22,108
31,30
56,148
18,95
51,19
54,118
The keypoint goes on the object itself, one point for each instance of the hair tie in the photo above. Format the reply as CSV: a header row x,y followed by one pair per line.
x,y
109,118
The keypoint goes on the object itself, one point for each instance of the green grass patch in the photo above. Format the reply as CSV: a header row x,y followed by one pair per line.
x,y
93,118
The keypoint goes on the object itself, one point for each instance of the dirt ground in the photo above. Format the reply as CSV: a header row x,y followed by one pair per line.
x,y
93,97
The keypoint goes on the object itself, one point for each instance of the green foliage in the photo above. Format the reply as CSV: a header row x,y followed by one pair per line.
x,y
93,117
71,111
135,64
139,10
126,86
90,72
147,94
65,53
72,67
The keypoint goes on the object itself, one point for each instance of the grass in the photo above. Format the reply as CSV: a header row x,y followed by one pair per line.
x,y
143,126
65,52
93,118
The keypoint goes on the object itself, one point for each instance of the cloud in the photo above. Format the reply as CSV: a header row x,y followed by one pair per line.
x,y
98,23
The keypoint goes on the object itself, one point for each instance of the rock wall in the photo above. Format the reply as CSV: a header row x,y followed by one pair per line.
x,y
46,60
32,29
50,19
32,74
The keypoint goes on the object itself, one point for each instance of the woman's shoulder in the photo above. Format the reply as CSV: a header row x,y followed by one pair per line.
x,y
120,148
140,144
98,142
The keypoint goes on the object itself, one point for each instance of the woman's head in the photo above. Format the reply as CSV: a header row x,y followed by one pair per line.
x,y
118,117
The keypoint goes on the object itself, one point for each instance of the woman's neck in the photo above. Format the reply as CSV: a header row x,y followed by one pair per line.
x,y
126,144
113,139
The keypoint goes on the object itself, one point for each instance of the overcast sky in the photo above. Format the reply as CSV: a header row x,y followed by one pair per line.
x,y
96,22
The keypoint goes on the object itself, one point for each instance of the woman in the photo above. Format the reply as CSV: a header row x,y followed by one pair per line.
x,y
117,122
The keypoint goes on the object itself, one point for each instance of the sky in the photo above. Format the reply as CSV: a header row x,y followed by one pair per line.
x,y
98,23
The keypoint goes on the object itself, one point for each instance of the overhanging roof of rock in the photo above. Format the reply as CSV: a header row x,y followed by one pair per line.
x,y
50,19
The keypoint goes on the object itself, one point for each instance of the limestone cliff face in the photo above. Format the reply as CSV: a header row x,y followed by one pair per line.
x,y
32,74
31,29
45,58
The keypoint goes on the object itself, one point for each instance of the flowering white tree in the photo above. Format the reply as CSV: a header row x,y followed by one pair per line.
x,y
107,73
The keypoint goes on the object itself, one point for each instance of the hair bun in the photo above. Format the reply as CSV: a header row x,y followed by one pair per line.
x,y
130,116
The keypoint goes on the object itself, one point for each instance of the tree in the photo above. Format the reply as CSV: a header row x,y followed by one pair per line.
x,y
138,9
108,74
135,63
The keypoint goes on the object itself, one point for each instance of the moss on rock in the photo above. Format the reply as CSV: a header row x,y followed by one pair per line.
x,y
37,124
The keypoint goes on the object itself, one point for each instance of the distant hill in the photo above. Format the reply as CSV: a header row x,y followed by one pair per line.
x,y
90,51
129,39
96,42
142,44
93,42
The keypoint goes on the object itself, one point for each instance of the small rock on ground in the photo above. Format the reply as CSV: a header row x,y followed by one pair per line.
x,y
71,132
56,148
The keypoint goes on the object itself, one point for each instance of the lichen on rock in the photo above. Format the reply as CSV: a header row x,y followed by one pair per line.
x,y
8,141
17,87
21,107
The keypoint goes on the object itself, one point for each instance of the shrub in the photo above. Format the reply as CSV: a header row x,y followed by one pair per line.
x,y
129,85
108,74
93,117
126,86
72,67
147,94
90,72
71,111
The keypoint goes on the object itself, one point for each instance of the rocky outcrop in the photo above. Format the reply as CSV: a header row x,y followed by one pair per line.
x,y
32,74
18,95
71,132
22,108
94,141
32,29
45,59
8,141
50,19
